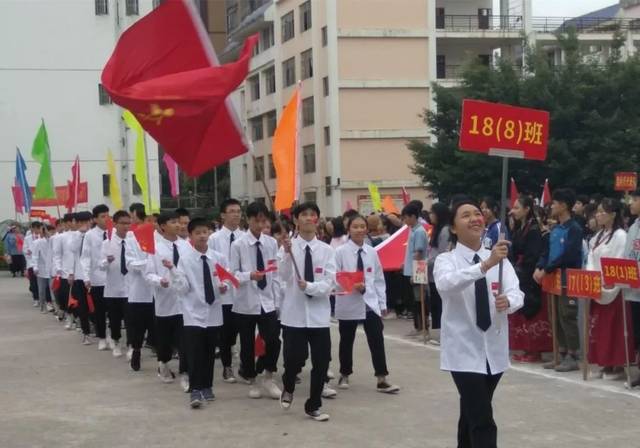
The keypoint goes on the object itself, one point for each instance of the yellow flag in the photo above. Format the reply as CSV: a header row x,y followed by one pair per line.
x,y
114,187
376,202
140,160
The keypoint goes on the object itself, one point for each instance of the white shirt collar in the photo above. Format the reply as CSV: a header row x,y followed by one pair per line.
x,y
252,239
468,254
304,243
355,248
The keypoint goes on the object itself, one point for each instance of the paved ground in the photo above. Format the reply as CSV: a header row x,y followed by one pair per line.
x,y
54,392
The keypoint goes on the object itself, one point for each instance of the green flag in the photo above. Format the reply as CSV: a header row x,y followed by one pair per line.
x,y
42,154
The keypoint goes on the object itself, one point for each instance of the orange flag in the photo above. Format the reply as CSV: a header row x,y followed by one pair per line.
x,y
285,154
144,235
389,206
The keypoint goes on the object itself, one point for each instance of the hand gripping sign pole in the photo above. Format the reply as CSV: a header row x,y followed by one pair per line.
x,y
508,132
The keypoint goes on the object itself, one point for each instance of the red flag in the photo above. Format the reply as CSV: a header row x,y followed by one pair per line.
x,y
18,201
392,250
73,185
72,302
55,284
90,305
223,275
513,193
109,228
546,194
405,196
144,233
260,347
165,71
347,280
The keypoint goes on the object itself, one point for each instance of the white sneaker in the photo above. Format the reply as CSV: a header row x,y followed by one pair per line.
x,y
102,345
129,353
117,352
271,388
69,324
50,308
318,416
86,340
343,382
331,375
36,304
327,392
254,390
164,373
184,382
111,343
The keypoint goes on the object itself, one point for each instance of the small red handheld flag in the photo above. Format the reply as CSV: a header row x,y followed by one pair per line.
x,y
90,305
347,280
144,233
72,302
260,347
513,193
223,275
546,194
109,228
55,284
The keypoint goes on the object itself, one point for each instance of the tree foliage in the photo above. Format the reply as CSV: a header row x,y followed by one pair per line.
x,y
594,128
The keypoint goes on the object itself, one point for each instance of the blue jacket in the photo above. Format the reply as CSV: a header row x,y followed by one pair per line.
x,y
565,248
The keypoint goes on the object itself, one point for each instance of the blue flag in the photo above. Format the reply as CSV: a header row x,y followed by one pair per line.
x,y
21,181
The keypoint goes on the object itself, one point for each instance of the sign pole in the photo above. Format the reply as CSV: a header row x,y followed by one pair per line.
x,y
423,312
503,221
554,327
626,341
585,338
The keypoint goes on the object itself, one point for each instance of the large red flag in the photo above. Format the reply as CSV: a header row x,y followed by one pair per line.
x,y
144,233
513,193
165,71
73,185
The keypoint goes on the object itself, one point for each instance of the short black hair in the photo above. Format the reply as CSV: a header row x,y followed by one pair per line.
x,y
582,198
417,203
492,204
352,218
181,211
257,208
165,217
304,207
137,208
280,227
83,216
68,217
120,214
412,209
566,196
226,203
100,208
338,225
349,214
197,222
36,224
50,227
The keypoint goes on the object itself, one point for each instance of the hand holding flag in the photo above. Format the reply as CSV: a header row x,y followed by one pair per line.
x,y
145,235
223,275
348,280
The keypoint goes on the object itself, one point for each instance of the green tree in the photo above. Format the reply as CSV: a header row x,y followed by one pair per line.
x,y
594,129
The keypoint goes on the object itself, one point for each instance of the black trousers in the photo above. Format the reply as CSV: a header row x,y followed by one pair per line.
x,y
139,321
18,263
434,306
62,295
295,343
229,334
79,292
373,327
116,307
100,313
269,330
33,284
476,427
200,344
168,337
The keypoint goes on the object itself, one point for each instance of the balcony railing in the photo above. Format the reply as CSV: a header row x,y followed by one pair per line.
x,y
457,71
479,23
584,24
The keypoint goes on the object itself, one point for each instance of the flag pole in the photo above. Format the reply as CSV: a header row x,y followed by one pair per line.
x,y
146,164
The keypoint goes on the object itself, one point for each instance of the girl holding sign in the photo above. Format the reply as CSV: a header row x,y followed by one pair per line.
x,y
606,336
365,303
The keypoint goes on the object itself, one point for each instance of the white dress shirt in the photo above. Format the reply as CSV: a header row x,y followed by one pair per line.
x,y
116,285
220,241
297,309
67,253
27,249
73,244
41,257
464,346
188,280
167,303
249,299
139,290
606,249
90,257
56,255
353,306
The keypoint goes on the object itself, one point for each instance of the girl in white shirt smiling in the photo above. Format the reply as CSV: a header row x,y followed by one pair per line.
x,y
474,350
366,304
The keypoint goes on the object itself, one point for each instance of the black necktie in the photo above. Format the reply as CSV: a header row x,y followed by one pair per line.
x,y
123,262
209,295
360,266
262,283
232,238
176,255
104,236
483,318
308,266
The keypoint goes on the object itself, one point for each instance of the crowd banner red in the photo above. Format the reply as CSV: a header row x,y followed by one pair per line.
x,y
620,272
626,181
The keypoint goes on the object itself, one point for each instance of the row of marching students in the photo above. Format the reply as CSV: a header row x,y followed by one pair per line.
x,y
199,290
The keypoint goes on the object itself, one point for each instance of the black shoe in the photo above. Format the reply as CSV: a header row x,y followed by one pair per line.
x,y
196,399
387,388
135,360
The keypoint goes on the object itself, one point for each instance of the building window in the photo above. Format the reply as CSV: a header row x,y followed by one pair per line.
x,y
310,196
269,76
137,190
325,39
272,168
288,26
327,136
289,72
271,123
103,96
106,185
254,87
131,7
325,85
256,128
307,112
258,169
266,36
102,7
305,16
306,64
309,158
232,18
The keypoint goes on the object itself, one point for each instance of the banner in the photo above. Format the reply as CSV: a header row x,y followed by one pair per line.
x,y
626,181
62,194
620,272
584,284
552,283
516,131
